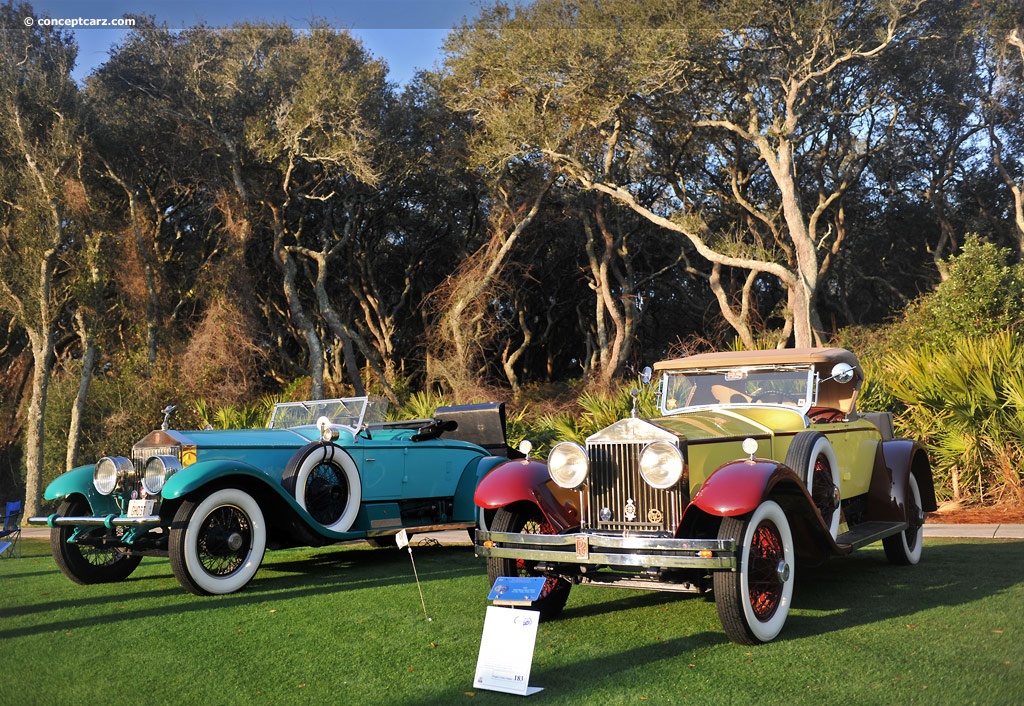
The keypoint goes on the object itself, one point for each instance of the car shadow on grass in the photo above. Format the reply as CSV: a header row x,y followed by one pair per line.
x,y
864,588
860,589
630,599
283,575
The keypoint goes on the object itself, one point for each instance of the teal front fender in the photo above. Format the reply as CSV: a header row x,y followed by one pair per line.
x,y
77,480
197,475
271,493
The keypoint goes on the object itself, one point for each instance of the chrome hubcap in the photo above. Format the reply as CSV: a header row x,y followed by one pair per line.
x,y
782,571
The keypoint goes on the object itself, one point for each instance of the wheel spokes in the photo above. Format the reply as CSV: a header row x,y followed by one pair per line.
x,y
325,494
767,571
537,525
224,541
823,490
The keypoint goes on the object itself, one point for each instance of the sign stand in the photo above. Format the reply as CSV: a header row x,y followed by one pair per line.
x,y
509,637
402,540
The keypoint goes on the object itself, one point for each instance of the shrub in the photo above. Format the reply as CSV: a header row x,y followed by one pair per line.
x,y
982,295
966,401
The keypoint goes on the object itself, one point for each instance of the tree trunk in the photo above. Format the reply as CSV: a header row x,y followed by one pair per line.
x,y
616,315
88,363
42,366
314,347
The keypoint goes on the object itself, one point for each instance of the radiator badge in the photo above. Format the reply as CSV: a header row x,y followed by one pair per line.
x,y
630,512
655,515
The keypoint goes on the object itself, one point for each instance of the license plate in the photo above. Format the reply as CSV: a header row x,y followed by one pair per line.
x,y
140,508
582,547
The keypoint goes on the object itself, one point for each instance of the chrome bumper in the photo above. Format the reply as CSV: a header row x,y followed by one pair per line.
x,y
110,521
609,550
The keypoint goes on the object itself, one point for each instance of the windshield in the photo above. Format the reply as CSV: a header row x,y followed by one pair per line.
x,y
789,386
352,412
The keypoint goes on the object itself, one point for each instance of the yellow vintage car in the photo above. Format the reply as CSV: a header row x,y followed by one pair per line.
x,y
759,461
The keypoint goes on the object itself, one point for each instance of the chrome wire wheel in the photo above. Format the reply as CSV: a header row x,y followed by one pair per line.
x,y
753,601
95,556
217,542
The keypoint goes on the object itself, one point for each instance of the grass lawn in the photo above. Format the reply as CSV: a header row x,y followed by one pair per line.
x,y
344,625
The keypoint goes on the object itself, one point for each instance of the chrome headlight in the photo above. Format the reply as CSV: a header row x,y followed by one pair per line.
x,y
568,464
158,469
108,471
661,464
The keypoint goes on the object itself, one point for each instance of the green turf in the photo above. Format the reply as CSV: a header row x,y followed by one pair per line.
x,y
344,625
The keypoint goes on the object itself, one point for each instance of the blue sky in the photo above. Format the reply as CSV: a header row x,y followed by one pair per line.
x,y
407,34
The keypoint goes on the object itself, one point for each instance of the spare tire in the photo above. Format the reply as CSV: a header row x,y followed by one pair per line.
x,y
325,482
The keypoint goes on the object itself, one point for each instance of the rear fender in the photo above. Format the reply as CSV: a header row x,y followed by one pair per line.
x,y
527,480
475,471
888,493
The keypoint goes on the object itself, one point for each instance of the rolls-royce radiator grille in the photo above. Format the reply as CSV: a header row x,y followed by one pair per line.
x,y
141,455
619,500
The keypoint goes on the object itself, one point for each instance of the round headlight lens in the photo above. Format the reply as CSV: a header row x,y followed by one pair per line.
x,y
158,469
661,464
108,471
568,465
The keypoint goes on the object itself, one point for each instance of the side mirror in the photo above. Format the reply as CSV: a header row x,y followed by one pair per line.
x,y
842,373
646,374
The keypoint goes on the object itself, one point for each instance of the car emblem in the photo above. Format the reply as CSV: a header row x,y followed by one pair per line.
x,y
655,515
630,511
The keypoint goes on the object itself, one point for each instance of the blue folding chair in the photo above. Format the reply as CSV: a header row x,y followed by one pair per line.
x,y
10,535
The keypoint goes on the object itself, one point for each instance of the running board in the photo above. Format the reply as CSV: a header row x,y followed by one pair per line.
x,y
868,533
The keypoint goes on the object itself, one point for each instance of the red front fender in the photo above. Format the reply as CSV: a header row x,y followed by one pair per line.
x,y
739,487
529,481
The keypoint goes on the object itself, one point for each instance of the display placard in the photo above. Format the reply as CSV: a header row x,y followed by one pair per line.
x,y
516,590
506,651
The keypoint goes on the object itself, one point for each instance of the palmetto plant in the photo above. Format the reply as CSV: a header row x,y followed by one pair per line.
x,y
598,410
250,416
420,405
966,401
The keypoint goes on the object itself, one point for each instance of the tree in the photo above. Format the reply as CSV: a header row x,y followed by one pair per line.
x,y
272,129
159,197
40,124
737,126
463,304
1002,35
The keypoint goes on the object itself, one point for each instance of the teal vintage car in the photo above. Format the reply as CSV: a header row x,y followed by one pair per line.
x,y
757,461
323,471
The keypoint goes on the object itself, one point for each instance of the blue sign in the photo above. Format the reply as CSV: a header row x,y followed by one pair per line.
x,y
518,590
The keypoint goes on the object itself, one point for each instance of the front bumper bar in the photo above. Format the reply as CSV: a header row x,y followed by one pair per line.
x,y
109,521
586,549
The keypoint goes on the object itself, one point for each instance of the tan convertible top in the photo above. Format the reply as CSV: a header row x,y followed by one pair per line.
x,y
784,356
831,393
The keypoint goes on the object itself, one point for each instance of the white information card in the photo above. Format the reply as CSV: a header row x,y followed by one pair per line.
x,y
506,651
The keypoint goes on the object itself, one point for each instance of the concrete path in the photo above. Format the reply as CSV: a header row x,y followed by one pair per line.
x,y
939,529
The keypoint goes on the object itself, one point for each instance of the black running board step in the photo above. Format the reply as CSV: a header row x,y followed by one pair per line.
x,y
868,533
